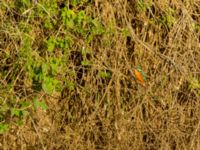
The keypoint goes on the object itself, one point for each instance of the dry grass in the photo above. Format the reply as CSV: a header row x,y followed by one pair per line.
x,y
115,112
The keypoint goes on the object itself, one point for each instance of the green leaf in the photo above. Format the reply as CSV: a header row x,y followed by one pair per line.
x,y
17,112
85,62
81,17
104,74
194,84
3,128
47,87
125,32
49,84
141,6
70,85
54,63
97,28
45,68
51,44
48,24
24,104
85,51
39,104
70,23
68,17
4,108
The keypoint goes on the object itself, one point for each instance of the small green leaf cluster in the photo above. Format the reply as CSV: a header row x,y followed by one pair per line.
x,y
44,33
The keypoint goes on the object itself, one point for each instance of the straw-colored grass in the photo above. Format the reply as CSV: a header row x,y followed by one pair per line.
x,y
78,59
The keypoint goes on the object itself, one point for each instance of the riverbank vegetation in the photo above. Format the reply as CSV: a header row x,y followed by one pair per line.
x,y
68,74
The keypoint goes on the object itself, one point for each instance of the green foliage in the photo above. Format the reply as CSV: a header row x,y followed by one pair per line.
x,y
3,128
42,35
168,18
4,108
51,44
105,74
143,5
39,104
125,32
68,17
195,26
194,84
62,43
22,110
70,85
85,62
18,112
81,23
97,27
22,5
49,85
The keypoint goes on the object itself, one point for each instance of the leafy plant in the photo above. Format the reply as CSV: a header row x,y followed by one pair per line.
x,y
68,17
168,18
49,85
105,74
3,128
142,5
194,84
70,85
18,112
39,104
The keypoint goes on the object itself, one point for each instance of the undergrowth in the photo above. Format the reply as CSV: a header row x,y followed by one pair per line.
x,y
68,74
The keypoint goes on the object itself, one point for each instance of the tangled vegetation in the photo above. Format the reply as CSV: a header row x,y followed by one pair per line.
x,y
97,74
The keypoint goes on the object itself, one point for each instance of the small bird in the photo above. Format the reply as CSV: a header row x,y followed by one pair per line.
x,y
140,75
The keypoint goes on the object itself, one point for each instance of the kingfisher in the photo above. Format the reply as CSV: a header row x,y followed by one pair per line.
x,y
140,75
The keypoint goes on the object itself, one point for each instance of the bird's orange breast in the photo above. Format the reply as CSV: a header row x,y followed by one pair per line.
x,y
139,77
